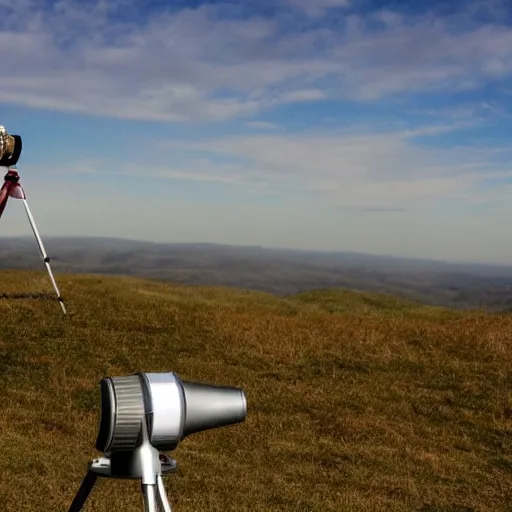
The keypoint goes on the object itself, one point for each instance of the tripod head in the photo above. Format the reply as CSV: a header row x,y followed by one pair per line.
x,y
10,148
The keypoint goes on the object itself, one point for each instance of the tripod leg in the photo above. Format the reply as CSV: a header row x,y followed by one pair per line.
x,y
162,494
84,491
149,496
46,259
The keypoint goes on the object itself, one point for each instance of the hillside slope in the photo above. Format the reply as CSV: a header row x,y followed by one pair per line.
x,y
278,271
357,402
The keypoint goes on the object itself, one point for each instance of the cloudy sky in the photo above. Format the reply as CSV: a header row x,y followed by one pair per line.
x,y
375,126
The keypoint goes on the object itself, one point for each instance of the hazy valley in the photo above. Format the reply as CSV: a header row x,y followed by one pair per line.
x,y
281,272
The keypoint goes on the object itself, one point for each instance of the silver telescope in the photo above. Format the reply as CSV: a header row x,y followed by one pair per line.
x,y
146,413
171,408
10,148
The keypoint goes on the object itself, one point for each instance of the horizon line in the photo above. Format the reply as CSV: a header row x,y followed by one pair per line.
x,y
274,248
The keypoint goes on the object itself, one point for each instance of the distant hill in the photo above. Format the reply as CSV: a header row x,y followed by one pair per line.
x,y
278,271
356,401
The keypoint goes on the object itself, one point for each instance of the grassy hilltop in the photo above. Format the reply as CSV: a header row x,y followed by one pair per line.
x,y
356,402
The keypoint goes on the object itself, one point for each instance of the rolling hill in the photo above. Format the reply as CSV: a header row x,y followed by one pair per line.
x,y
356,401
278,271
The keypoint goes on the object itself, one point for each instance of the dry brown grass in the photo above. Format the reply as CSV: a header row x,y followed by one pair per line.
x,y
356,402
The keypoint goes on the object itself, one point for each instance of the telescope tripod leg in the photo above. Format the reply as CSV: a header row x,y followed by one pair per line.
x,y
149,495
46,259
162,494
155,495
84,491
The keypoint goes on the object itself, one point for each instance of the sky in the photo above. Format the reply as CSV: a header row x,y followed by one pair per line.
x,y
341,125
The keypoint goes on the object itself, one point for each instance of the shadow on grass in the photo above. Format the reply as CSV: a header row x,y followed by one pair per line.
x,y
28,295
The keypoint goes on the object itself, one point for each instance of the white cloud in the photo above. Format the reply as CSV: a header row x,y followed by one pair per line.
x,y
261,125
369,170
318,7
354,168
304,95
192,65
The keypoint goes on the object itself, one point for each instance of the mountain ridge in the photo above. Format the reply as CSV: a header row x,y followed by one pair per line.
x,y
282,272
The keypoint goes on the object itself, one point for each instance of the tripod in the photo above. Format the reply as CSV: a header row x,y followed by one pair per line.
x,y
144,463
12,188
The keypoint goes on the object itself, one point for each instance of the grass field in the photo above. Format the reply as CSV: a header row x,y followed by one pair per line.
x,y
356,402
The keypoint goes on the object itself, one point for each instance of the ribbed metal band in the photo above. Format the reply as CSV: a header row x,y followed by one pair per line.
x,y
129,413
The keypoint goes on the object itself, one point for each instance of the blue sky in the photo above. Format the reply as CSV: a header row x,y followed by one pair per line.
x,y
373,126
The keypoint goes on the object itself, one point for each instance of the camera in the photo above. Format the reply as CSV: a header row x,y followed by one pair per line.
x,y
10,148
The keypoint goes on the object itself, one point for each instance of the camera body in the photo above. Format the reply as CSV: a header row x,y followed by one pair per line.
x,y
10,148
